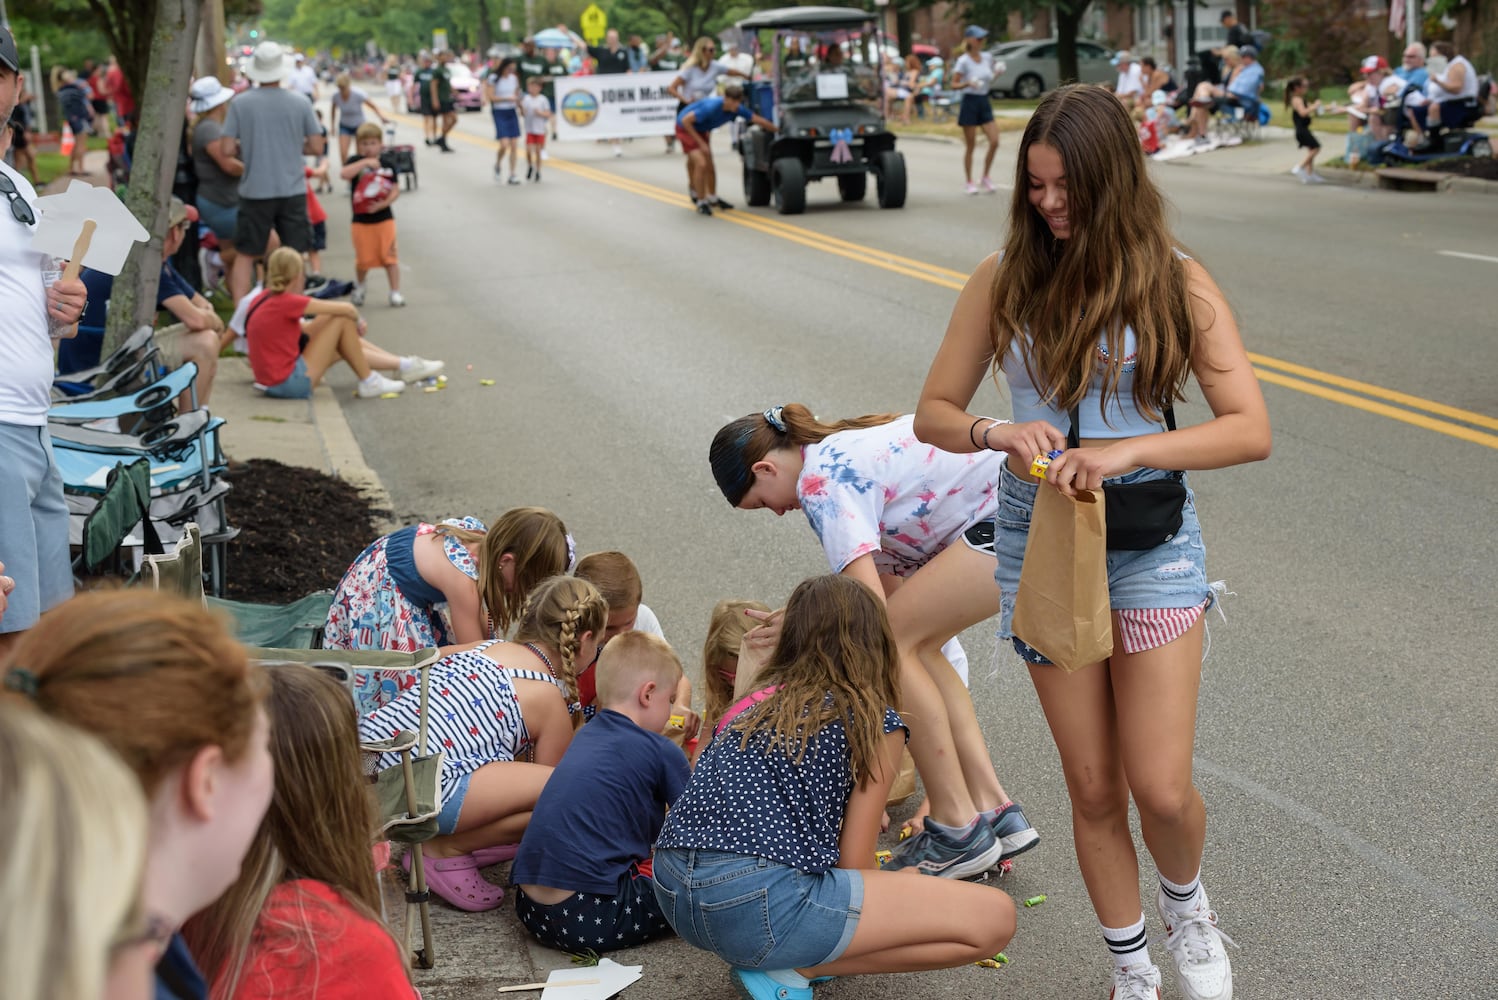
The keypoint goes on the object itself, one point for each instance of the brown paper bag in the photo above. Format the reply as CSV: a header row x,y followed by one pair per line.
x,y
1062,607
904,786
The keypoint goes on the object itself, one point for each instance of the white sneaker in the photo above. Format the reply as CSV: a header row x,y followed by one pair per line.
x,y
378,385
971,188
1300,172
414,369
1196,946
1317,179
1136,982
357,297
397,299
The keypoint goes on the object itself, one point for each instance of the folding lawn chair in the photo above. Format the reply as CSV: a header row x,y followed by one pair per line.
x,y
408,792
297,625
123,505
134,365
151,403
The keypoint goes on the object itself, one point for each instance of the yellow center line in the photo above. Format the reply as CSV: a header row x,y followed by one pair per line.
x,y
1383,409
1271,370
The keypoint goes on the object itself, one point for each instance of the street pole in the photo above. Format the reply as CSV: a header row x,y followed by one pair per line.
x,y
1411,21
39,102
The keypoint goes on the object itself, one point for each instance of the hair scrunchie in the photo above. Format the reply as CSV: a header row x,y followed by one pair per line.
x,y
774,417
571,553
22,682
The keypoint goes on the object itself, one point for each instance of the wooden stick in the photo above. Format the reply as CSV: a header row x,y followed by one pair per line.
x,y
80,249
542,986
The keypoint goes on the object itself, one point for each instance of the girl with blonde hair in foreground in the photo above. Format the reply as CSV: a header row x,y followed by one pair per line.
x,y
72,850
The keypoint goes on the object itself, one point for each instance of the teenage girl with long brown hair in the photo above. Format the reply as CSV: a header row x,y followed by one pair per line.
x,y
1091,314
305,908
767,858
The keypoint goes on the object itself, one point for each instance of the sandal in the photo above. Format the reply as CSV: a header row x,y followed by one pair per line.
x,y
496,855
458,881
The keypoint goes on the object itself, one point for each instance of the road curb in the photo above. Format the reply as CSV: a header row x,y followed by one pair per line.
x,y
345,459
1444,181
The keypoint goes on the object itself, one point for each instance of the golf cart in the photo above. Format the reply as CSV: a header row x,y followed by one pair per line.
x,y
826,102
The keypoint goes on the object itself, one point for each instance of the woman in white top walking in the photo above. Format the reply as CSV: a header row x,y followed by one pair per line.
x,y
698,78
972,74
347,113
502,91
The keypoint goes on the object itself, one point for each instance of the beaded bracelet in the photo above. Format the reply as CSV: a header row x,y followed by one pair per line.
x,y
989,428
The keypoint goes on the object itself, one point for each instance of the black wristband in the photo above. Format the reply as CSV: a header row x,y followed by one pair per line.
x,y
976,445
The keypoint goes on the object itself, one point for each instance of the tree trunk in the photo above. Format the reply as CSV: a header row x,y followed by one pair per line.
x,y
1068,17
174,36
486,28
904,27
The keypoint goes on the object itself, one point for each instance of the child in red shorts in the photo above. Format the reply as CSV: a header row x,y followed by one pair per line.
x,y
535,109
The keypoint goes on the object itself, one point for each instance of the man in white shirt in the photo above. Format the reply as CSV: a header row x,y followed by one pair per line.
x,y
1130,85
303,79
742,62
33,513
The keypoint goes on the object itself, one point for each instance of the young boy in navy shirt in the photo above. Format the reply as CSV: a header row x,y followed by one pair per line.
x,y
583,870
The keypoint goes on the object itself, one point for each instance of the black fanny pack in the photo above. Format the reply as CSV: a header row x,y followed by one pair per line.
x,y
1141,515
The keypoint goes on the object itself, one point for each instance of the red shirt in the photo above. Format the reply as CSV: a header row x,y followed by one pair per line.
x,y
119,92
274,329
315,212
310,944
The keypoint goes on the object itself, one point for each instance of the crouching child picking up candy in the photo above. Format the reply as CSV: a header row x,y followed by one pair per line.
x,y
777,827
583,871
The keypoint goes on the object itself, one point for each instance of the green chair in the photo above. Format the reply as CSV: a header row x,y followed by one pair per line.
x,y
298,625
407,793
126,503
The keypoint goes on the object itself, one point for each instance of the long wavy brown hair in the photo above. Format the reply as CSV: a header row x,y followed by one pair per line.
x,y
836,661
537,539
1118,268
738,445
319,826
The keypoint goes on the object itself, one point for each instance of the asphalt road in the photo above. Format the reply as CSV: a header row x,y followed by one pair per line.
x,y
1346,745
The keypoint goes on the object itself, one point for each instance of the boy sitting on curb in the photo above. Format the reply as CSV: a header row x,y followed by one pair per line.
x,y
582,875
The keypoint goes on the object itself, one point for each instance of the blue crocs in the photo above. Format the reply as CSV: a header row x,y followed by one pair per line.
x,y
755,985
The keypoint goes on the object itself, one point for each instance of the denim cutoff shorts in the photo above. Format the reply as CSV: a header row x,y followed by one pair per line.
x,y
447,819
755,913
1172,575
296,386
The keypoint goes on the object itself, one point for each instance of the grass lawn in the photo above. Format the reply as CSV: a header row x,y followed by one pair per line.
x,y
50,166
949,128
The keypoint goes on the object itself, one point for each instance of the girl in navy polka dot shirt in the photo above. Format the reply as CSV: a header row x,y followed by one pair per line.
x,y
767,859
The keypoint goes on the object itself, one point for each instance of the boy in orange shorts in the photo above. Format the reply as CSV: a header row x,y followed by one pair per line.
x,y
375,189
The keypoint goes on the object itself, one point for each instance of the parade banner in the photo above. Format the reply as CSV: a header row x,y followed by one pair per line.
x,y
615,106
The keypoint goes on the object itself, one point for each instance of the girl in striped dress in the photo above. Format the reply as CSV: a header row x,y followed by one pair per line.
x,y
489,707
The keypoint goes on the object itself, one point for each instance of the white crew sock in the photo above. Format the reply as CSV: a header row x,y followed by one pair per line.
x,y
1130,945
1184,898
788,977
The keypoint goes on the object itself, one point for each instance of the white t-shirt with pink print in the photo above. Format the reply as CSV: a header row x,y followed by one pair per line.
x,y
881,491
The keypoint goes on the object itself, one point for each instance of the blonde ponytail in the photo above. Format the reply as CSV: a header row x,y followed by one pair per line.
x,y
559,611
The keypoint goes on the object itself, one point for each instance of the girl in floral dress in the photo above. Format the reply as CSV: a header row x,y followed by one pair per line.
x,y
914,524
456,582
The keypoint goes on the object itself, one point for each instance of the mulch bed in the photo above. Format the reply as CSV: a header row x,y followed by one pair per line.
x,y
299,531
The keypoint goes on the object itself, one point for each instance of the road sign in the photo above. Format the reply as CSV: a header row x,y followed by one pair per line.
x,y
439,39
595,23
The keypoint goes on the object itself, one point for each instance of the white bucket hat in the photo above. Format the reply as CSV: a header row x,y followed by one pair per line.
x,y
208,93
269,64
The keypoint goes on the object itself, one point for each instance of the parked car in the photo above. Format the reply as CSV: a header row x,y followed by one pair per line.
x,y
1031,68
468,93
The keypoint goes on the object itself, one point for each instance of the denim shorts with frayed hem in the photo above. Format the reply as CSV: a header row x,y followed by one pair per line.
x,y
1172,575
447,819
755,913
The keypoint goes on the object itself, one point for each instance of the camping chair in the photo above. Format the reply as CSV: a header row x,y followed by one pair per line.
x,y
151,404
407,793
297,625
138,354
124,504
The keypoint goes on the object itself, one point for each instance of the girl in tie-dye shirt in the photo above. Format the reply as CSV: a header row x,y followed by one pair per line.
x,y
913,523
